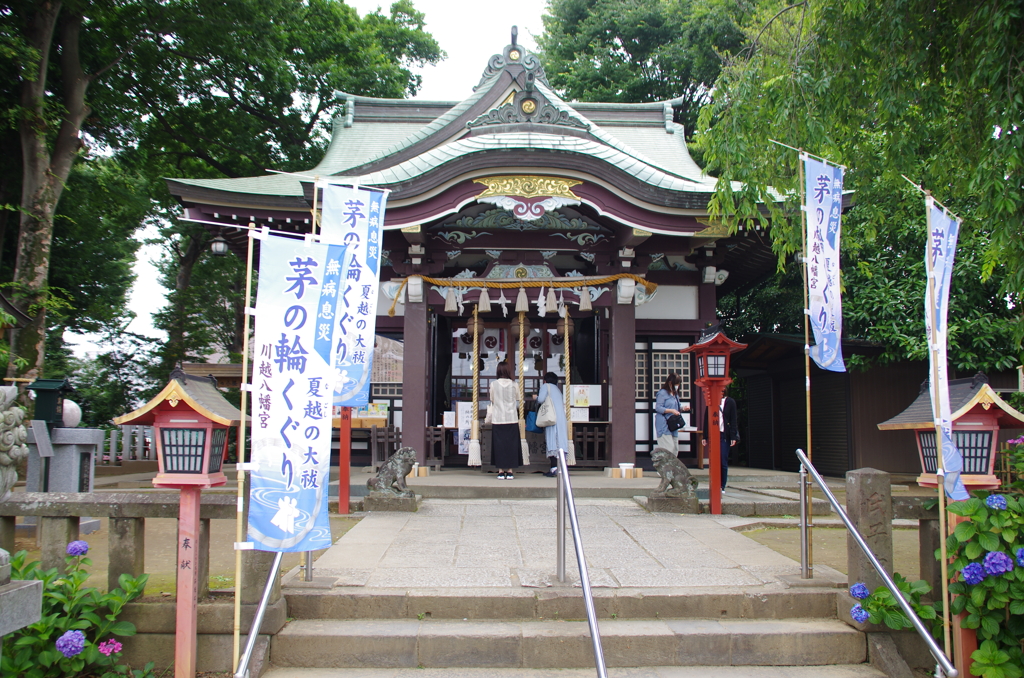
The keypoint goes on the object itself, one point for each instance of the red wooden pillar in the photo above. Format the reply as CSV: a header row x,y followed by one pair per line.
x,y
188,583
965,641
714,435
344,459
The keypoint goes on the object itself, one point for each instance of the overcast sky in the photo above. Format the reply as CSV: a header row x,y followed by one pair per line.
x,y
469,36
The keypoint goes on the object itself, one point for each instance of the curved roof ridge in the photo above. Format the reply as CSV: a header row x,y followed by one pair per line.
x,y
435,157
609,139
435,125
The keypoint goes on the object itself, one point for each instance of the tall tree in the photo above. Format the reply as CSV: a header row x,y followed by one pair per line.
x,y
177,75
930,91
641,50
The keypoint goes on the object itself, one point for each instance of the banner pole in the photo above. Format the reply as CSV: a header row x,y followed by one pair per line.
x,y
936,414
240,454
807,356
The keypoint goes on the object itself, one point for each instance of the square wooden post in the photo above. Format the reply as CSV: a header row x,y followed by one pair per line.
x,y
188,583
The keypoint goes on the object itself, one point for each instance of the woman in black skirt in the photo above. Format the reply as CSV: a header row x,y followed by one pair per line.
x,y
503,416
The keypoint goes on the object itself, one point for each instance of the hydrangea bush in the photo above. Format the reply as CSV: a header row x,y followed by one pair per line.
x,y
988,553
75,635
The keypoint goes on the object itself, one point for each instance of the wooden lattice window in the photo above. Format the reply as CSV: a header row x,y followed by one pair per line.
x,y
387,390
662,363
643,383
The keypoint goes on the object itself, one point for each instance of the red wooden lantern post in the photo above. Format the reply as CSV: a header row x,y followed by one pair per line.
x,y
712,354
190,421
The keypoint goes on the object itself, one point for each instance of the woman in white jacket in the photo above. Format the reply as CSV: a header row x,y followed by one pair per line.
x,y
503,416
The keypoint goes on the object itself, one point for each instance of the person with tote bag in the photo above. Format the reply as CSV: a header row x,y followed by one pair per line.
x,y
556,435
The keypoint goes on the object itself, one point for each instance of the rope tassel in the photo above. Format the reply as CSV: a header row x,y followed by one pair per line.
x,y
484,303
552,304
585,300
522,303
449,300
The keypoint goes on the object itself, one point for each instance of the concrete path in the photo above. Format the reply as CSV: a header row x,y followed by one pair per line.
x,y
511,544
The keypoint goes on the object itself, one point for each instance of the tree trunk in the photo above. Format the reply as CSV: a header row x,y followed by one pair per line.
x,y
44,173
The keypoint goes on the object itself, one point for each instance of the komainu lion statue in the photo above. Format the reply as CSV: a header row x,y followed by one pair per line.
x,y
12,438
676,480
390,478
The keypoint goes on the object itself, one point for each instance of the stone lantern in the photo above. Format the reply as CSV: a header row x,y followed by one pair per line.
x,y
190,420
712,353
977,413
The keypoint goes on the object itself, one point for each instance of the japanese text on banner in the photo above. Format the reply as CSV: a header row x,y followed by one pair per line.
x,y
292,384
940,251
354,217
823,200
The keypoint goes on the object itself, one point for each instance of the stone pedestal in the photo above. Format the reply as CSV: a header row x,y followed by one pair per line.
x,y
21,602
664,504
388,502
71,468
869,506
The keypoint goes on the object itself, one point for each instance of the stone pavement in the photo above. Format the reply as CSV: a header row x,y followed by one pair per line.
x,y
511,543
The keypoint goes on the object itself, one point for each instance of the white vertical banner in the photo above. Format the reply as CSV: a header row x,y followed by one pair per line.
x,y
823,201
292,383
354,217
940,251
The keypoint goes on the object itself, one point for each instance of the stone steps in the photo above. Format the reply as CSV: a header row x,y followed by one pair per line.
x,y
480,644
832,671
558,603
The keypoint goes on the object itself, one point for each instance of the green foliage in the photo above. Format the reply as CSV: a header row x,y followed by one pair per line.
x,y
115,380
70,605
885,91
640,51
994,606
883,607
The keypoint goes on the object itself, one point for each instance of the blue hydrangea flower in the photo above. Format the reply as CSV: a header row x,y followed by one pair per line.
x,y
859,591
996,501
71,643
78,548
1020,557
973,573
997,563
859,614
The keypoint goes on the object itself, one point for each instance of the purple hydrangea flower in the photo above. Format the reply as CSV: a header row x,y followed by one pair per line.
x,y
973,573
997,563
109,647
1020,557
71,643
78,548
859,614
859,591
996,501
1016,441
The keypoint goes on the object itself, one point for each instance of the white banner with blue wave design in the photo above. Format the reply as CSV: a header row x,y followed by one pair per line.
x,y
354,217
292,385
823,201
940,251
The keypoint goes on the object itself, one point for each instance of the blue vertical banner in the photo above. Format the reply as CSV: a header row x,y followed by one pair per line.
x,y
354,217
292,387
823,203
940,251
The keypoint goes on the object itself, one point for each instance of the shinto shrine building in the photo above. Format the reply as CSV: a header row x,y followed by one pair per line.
x,y
514,184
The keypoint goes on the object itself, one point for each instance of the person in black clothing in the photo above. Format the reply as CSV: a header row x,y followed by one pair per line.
x,y
728,428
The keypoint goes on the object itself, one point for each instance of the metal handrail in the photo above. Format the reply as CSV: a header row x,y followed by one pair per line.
x,y
242,670
565,499
933,647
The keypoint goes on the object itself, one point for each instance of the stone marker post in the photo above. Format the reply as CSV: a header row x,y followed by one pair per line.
x,y
869,506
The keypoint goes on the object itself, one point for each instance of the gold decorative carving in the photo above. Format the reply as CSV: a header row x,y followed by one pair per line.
x,y
173,397
529,106
715,229
508,99
986,401
514,55
641,233
521,272
411,229
529,187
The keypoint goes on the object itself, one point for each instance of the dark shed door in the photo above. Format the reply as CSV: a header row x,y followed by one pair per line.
x,y
760,422
829,423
